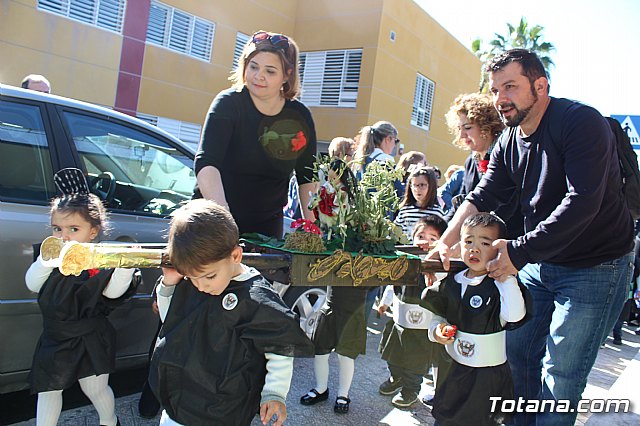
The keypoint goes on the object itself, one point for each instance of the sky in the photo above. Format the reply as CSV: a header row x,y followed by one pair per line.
x,y
597,56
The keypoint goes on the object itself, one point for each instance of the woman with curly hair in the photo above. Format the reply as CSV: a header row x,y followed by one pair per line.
x,y
475,123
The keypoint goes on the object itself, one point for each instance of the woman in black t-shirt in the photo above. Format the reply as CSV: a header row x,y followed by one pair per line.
x,y
255,134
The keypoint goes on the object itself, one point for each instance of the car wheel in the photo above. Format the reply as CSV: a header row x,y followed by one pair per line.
x,y
306,302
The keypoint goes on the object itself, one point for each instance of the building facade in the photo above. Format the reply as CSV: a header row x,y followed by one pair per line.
x,y
164,61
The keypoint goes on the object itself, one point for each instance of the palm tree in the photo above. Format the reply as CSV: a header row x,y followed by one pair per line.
x,y
521,37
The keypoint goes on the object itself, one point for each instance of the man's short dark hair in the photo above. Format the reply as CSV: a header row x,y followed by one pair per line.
x,y
201,232
486,220
532,66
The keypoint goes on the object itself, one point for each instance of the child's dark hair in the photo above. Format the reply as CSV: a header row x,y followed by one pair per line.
x,y
432,221
201,232
88,206
432,192
486,220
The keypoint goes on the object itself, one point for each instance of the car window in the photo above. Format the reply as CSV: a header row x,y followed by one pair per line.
x,y
151,176
25,163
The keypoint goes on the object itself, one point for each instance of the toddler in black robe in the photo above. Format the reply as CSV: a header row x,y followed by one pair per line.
x,y
227,340
482,309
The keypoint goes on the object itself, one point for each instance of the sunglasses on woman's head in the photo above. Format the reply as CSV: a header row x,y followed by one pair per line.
x,y
277,40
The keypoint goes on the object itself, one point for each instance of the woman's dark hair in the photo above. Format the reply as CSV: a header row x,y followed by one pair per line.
x,y
532,66
88,206
432,191
288,57
201,232
486,220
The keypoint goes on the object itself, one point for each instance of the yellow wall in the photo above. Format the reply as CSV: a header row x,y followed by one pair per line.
x,y
181,87
422,46
82,61
337,25
388,73
79,60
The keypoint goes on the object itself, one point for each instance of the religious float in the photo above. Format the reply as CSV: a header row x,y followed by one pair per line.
x,y
352,241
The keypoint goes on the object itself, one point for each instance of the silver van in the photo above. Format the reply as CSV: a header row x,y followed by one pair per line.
x,y
141,172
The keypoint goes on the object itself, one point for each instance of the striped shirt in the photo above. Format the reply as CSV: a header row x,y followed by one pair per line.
x,y
410,214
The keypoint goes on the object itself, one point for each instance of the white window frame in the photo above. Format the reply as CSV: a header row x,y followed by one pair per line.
x,y
423,102
104,14
330,78
180,31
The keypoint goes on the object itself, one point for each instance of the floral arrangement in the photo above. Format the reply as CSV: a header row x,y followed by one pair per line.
x,y
355,215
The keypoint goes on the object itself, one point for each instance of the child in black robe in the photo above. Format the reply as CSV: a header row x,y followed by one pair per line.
x,y
227,340
405,344
482,309
78,344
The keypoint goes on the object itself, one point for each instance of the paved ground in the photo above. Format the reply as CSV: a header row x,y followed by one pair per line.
x,y
616,374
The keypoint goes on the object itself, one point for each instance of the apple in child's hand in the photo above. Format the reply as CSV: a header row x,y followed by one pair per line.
x,y
449,331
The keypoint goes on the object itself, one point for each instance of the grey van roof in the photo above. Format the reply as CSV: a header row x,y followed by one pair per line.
x,y
18,92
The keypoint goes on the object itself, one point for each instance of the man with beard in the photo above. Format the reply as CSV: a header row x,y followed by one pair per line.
x,y
576,254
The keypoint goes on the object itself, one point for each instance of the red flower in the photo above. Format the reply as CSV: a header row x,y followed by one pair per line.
x,y
93,272
298,142
307,226
482,165
326,203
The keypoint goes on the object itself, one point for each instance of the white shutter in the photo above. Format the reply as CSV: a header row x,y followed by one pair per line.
x,y
312,81
330,78
422,102
107,14
60,7
241,41
82,10
158,23
180,31
202,38
111,14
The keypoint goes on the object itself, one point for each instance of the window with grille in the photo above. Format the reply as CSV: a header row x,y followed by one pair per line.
x,y
241,40
422,102
331,77
107,14
180,31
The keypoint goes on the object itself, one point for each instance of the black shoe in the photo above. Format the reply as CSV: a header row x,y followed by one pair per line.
x,y
390,387
428,400
307,399
404,399
148,406
342,405
617,341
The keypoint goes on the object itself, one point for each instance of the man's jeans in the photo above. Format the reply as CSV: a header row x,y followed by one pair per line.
x,y
573,311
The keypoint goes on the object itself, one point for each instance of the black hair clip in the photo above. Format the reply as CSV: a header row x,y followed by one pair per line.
x,y
71,181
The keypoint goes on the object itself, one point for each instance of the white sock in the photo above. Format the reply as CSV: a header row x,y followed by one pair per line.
x,y
321,368
434,373
49,408
346,368
98,391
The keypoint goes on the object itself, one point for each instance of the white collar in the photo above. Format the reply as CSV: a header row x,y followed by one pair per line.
x,y
461,278
246,274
